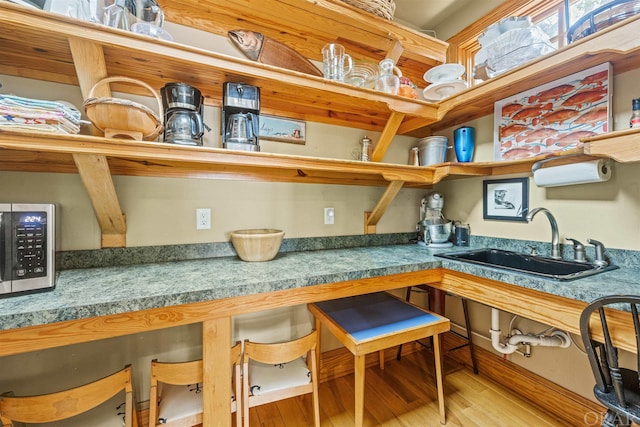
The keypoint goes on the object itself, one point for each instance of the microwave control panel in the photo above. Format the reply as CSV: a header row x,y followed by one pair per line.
x,y
27,248
30,243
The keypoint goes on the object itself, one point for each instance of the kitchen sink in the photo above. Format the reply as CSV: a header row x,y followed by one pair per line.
x,y
556,269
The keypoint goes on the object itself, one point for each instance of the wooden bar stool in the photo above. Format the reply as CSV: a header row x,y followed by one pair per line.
x,y
90,404
175,396
437,305
369,323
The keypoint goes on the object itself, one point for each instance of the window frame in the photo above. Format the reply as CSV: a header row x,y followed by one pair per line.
x,y
464,45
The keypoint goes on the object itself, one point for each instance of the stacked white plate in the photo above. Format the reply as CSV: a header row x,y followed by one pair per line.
x,y
445,81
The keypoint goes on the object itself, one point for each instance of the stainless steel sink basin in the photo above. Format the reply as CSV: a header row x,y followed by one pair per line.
x,y
549,268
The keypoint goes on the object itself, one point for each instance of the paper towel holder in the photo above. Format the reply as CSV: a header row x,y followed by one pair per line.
x,y
537,165
584,172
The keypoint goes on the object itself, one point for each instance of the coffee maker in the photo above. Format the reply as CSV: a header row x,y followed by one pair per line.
x,y
433,229
240,116
182,114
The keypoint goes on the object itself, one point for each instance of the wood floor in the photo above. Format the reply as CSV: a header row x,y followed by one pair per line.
x,y
404,394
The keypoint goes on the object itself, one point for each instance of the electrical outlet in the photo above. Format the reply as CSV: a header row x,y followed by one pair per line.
x,y
203,219
329,216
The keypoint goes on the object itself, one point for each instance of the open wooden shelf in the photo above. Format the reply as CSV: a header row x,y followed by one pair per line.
x,y
613,44
38,45
43,46
622,146
307,25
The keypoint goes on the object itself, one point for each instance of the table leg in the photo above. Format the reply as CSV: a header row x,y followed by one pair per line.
x,y
216,336
439,384
359,386
318,342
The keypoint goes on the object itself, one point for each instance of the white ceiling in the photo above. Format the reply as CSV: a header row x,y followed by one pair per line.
x,y
427,14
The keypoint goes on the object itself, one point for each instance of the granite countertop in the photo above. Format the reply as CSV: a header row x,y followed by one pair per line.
x,y
89,292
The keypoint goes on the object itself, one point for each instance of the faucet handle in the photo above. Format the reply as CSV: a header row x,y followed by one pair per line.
x,y
578,250
599,261
534,250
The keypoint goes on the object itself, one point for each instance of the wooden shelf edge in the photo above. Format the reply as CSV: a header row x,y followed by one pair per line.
x,y
344,103
622,146
199,158
608,45
452,170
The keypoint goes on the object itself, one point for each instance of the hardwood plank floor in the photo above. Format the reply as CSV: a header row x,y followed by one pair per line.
x,y
404,395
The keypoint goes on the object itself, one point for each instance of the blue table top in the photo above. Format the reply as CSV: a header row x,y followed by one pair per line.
x,y
372,315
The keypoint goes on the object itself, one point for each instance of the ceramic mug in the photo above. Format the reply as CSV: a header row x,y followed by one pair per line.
x,y
335,62
464,141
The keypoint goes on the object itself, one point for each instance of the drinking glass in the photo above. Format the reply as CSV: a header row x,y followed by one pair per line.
x,y
335,62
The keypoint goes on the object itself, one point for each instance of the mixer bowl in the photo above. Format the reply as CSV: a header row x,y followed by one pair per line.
x,y
438,233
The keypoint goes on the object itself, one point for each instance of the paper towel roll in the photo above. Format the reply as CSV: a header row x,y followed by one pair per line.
x,y
576,173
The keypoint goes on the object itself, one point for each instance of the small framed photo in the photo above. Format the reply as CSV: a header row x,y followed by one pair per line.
x,y
283,130
506,199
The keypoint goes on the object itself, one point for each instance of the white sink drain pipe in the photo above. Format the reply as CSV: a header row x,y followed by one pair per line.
x,y
557,339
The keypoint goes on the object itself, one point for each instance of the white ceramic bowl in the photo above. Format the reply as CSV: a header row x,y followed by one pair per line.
x,y
258,244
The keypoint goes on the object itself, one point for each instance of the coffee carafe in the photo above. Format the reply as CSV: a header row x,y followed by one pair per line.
x,y
241,129
240,119
182,114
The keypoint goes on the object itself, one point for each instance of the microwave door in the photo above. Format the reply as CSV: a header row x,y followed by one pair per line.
x,y
5,248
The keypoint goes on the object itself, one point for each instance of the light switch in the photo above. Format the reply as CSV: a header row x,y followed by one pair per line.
x,y
329,216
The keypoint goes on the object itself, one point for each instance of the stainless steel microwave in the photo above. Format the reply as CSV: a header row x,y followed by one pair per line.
x,y
27,248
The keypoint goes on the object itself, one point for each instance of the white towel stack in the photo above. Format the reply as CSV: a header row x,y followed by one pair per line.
x,y
38,115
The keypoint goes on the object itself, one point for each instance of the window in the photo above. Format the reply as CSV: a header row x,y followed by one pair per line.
x,y
549,15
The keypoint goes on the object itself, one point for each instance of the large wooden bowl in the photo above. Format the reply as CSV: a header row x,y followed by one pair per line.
x,y
259,244
123,118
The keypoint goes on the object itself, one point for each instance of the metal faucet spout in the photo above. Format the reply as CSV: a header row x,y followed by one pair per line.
x,y
555,238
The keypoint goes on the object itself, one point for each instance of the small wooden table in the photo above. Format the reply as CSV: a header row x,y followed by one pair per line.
x,y
373,322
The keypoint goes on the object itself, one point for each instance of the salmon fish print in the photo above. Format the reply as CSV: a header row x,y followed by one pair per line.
x,y
555,116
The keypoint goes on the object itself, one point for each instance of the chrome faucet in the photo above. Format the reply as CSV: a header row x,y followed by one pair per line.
x,y
600,261
555,239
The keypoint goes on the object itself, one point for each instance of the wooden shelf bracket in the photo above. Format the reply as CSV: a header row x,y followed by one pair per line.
x,y
371,218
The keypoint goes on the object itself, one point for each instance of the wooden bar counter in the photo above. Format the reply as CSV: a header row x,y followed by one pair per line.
x,y
91,304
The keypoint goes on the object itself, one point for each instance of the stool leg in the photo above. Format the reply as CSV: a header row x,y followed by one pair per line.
x,y
439,385
407,297
465,309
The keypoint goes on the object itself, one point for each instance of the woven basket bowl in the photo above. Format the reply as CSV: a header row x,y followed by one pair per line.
x,y
258,244
383,8
122,118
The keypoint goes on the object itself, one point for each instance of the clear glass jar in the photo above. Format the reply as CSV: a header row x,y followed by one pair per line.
x,y
388,82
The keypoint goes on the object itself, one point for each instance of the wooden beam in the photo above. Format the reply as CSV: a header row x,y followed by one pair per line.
x,y
88,58
372,218
96,177
395,51
389,131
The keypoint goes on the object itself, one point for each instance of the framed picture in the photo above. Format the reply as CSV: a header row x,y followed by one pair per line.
x,y
506,199
555,116
283,130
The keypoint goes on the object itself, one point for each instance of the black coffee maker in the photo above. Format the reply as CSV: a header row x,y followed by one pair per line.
x,y
182,114
240,116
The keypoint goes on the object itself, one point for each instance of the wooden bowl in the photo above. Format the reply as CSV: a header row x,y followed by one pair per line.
x,y
259,244
122,118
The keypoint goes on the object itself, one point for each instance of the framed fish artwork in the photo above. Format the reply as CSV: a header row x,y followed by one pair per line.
x,y
555,116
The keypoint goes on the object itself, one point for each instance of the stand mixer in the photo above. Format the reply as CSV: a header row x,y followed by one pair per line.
x,y
434,230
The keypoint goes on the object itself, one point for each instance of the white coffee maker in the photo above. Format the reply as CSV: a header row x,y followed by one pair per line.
x,y
434,230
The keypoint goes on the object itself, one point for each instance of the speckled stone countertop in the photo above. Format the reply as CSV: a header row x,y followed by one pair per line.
x,y
103,290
